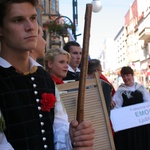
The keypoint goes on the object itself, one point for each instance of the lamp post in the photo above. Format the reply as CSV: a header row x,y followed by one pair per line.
x,y
97,6
65,32
75,16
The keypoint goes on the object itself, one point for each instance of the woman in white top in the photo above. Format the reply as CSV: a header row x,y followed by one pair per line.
x,y
131,93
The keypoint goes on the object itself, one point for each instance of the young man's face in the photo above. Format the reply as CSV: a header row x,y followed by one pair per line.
x,y
20,27
76,54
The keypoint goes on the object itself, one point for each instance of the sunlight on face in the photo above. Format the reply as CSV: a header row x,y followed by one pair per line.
x,y
128,79
76,55
59,67
41,44
20,22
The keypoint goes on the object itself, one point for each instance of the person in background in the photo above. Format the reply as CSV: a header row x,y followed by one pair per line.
x,y
75,51
105,79
94,65
127,94
39,51
27,92
56,63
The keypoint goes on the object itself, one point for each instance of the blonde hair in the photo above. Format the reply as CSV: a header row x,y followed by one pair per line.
x,y
51,54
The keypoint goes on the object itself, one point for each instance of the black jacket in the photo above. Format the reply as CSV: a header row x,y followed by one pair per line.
x,y
27,126
72,76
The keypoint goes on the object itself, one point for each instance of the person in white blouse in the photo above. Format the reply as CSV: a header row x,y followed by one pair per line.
x,y
27,92
131,93
128,88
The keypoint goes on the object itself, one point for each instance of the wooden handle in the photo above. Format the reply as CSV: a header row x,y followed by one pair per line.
x,y
84,64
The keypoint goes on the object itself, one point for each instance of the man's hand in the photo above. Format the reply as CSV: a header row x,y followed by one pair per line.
x,y
82,135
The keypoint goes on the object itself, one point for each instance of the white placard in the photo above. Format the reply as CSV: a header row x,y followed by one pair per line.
x,y
130,116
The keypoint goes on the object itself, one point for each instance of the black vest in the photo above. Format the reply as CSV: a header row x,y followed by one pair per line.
x,y
72,76
27,126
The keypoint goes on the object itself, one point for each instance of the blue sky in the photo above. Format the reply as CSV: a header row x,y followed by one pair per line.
x,y
104,24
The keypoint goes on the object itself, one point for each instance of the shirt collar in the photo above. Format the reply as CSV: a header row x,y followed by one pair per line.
x,y
6,64
71,70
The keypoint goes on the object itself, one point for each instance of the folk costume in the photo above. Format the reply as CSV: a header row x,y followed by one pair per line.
x,y
72,75
108,91
106,87
31,122
136,138
106,80
56,80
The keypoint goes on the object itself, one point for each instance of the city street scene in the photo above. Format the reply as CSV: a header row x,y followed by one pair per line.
x,y
127,46
74,75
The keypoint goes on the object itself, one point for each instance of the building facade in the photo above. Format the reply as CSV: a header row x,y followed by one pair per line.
x,y
133,49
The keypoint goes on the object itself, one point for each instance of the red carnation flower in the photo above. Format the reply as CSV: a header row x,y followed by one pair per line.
x,y
47,101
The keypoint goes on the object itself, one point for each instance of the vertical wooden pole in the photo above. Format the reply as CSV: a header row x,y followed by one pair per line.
x,y
84,64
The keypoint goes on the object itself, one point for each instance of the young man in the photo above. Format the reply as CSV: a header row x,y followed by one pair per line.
x,y
28,98
75,51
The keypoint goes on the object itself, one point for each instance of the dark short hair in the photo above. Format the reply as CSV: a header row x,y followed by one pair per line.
x,y
4,7
126,70
69,44
93,64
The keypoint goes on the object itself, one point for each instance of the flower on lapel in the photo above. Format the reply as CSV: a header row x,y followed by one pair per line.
x,y
47,102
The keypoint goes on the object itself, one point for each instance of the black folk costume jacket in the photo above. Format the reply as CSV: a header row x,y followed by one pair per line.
x,y
27,126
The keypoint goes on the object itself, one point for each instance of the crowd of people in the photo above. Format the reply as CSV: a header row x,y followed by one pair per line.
x,y
34,116
28,96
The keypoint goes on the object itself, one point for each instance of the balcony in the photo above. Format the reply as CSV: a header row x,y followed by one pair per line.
x,y
145,34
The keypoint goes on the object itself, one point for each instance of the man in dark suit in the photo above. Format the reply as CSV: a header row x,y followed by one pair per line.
x,y
75,51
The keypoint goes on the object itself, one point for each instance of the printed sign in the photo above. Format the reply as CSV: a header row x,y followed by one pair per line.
x,y
130,116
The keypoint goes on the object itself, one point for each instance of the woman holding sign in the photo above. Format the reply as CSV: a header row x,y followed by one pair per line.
x,y
131,93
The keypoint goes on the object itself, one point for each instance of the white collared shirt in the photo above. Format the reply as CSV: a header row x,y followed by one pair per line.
x,y
71,70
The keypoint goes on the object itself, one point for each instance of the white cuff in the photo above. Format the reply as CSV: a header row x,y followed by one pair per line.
x,y
4,145
61,137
